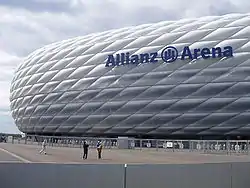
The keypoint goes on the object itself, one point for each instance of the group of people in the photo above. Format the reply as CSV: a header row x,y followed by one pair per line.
x,y
99,148
86,149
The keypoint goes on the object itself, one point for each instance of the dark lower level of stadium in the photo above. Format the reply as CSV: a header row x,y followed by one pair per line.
x,y
175,137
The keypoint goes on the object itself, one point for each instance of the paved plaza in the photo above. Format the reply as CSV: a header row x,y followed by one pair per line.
x,y
30,154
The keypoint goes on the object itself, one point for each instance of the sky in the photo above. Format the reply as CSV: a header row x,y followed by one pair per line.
x,y
28,25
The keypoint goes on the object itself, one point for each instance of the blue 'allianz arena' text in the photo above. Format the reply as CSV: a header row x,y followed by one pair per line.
x,y
169,54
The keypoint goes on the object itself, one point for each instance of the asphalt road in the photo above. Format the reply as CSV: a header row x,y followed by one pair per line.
x,y
5,157
30,154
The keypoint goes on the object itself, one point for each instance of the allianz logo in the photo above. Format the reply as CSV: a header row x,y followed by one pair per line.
x,y
169,55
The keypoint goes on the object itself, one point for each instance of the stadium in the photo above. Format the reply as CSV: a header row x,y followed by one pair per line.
x,y
173,79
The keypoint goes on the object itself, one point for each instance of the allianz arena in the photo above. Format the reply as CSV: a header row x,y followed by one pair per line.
x,y
173,79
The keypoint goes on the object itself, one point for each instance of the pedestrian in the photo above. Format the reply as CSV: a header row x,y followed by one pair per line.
x,y
43,150
99,149
85,150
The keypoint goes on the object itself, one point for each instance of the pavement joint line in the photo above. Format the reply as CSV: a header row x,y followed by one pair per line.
x,y
16,156
54,162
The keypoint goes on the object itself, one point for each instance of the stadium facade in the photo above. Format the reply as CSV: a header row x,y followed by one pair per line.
x,y
173,79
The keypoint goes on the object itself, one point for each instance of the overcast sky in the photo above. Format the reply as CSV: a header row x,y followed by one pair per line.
x,y
30,24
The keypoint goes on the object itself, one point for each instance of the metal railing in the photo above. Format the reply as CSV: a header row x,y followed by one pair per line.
x,y
227,147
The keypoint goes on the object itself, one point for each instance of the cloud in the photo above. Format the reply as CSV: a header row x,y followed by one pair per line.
x,y
7,124
31,24
40,5
6,121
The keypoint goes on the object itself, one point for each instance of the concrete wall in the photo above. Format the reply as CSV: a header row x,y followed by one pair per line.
x,y
240,173
179,176
61,176
227,175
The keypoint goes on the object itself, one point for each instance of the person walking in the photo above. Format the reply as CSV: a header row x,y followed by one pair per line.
x,y
99,149
43,150
85,150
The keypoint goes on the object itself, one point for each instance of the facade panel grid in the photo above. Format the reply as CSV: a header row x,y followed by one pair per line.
x,y
65,87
